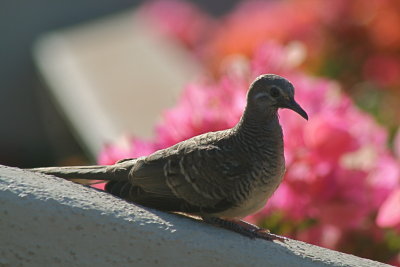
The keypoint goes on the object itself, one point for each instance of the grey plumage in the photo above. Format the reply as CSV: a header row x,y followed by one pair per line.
x,y
226,174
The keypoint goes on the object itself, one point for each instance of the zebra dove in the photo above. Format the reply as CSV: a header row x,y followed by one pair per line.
x,y
221,176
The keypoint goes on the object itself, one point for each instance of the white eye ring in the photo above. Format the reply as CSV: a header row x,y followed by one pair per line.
x,y
261,95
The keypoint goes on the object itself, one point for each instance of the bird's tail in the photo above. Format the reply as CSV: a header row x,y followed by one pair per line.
x,y
117,172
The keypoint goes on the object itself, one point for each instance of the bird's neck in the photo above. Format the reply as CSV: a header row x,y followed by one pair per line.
x,y
258,121
259,126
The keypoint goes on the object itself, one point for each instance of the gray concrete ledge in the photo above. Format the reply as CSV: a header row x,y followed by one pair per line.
x,y
47,221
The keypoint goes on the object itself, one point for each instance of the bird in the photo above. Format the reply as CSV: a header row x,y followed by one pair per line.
x,y
220,176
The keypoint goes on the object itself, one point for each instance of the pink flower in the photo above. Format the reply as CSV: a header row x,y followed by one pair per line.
x,y
203,108
329,137
98,184
383,178
125,148
389,212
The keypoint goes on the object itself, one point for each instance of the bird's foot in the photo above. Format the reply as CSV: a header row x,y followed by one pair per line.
x,y
267,235
244,228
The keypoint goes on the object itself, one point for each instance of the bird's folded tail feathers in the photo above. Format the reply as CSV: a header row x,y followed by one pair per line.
x,y
94,172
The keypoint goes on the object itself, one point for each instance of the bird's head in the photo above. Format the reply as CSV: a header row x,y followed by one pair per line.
x,y
269,92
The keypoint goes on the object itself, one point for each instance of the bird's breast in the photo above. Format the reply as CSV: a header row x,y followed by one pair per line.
x,y
256,199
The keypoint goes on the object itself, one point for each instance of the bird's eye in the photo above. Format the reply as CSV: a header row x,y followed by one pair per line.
x,y
274,92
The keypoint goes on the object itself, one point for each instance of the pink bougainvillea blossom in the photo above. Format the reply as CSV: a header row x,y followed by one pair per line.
x,y
389,213
125,148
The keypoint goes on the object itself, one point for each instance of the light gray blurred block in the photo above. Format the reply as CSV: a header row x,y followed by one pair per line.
x,y
113,77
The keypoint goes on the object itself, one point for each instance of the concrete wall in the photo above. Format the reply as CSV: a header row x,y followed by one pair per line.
x,y
47,221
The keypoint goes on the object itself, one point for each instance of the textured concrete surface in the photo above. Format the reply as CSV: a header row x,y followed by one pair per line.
x,y
47,221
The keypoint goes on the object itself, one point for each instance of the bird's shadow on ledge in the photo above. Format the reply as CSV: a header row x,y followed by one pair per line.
x,y
164,215
198,223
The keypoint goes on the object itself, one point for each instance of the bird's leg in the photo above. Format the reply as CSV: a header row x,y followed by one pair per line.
x,y
243,228
261,232
230,225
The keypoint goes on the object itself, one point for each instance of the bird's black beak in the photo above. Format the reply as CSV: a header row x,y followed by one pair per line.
x,y
292,104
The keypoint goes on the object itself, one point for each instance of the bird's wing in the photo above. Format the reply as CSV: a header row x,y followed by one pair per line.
x,y
202,175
